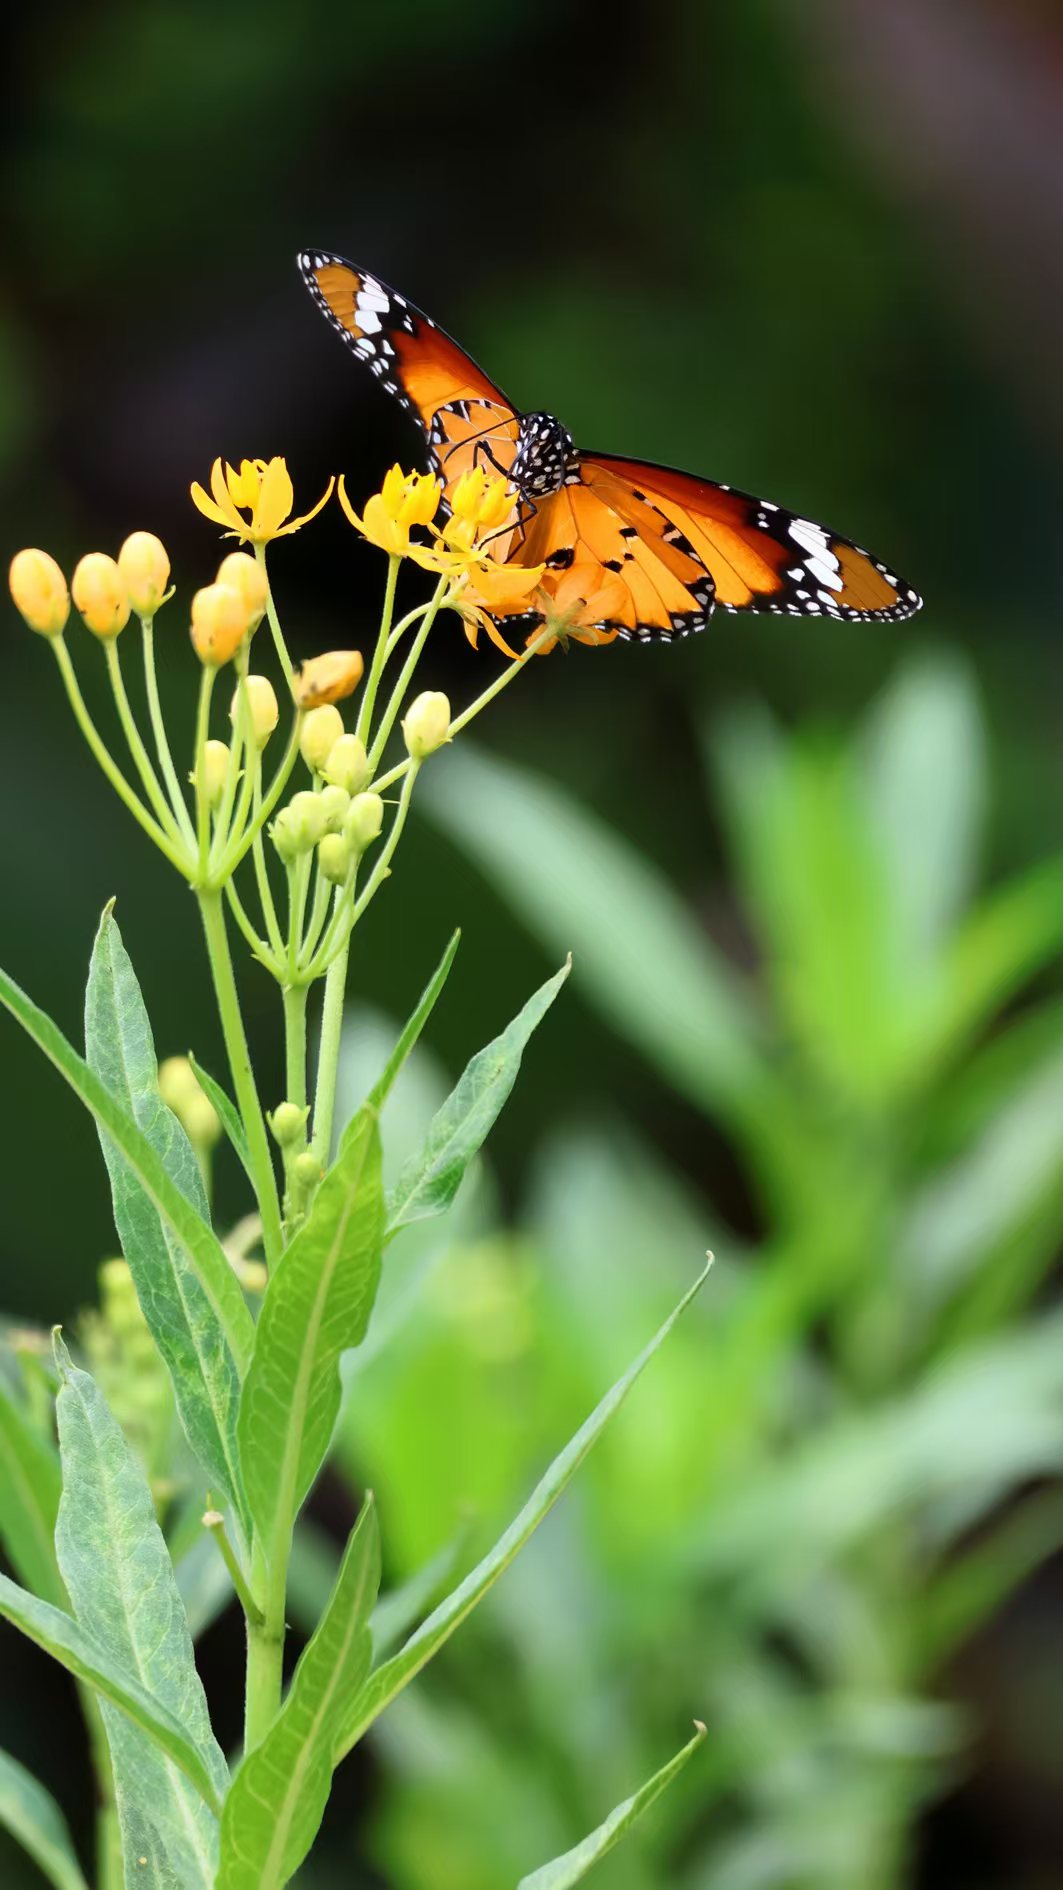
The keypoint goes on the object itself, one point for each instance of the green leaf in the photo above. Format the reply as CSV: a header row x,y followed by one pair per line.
x,y
30,1483
429,1181
279,1795
426,1005
185,1325
32,1816
398,1612
227,1114
196,1239
573,1867
644,960
68,1643
316,1306
389,1679
122,1588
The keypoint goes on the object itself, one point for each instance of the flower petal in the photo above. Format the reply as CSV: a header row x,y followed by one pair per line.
x,y
275,500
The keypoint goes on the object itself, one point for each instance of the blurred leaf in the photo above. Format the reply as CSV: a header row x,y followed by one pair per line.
x,y
573,1867
388,1680
32,1816
643,960
121,1584
191,1333
1013,934
431,1178
316,1306
279,1795
412,1030
226,1112
398,1612
971,1589
30,1482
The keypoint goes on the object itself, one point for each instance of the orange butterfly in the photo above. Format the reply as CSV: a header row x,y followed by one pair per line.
x,y
630,549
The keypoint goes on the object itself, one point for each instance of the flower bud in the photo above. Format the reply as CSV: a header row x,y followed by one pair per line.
x,y
307,1169
348,764
145,570
364,819
219,624
303,824
244,574
180,1091
284,836
335,857
38,588
426,725
262,703
328,678
288,1123
319,734
216,758
334,802
99,591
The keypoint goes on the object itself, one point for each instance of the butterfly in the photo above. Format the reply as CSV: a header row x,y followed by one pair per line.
x,y
630,549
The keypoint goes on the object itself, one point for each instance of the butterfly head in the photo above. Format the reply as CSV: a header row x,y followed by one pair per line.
x,y
545,452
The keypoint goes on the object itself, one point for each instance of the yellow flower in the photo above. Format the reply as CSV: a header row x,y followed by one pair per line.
x,y
100,593
263,490
482,502
219,624
328,678
145,569
502,589
38,588
404,500
574,603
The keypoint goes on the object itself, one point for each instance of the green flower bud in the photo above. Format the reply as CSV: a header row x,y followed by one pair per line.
x,y
319,734
364,819
307,1169
305,822
334,804
216,758
285,837
347,765
180,1091
335,857
426,725
288,1123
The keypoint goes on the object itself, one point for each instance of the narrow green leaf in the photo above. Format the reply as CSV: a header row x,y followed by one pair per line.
x,y
68,1643
645,961
279,1795
573,1867
30,1483
429,1181
426,1005
316,1306
122,1588
389,1679
398,1612
227,1114
184,1323
196,1239
34,1819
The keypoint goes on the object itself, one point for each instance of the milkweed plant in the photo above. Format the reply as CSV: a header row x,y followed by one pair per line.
x,y
285,818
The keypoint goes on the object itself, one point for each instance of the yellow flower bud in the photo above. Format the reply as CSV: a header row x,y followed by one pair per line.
x,y
219,624
246,575
216,757
335,857
262,703
145,570
363,821
195,1112
284,836
426,725
288,1123
319,734
334,804
348,764
38,588
100,593
328,678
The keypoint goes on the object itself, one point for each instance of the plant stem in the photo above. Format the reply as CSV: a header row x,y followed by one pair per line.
x,y
376,668
461,721
265,1654
141,760
229,864
158,729
295,996
107,762
398,694
215,1522
328,1061
274,621
243,1076
206,690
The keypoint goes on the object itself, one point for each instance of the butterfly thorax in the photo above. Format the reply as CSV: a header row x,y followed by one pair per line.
x,y
545,452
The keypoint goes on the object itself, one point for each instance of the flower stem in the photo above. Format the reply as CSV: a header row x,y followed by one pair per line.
x,y
462,721
206,690
142,762
265,807
232,1023
265,1652
158,729
215,1522
328,1061
398,694
380,654
274,621
109,766
295,996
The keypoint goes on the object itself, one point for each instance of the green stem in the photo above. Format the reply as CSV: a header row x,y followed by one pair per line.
x,y
328,1061
158,729
376,668
274,621
462,721
265,890
232,859
318,915
109,766
206,690
398,694
295,996
258,946
243,1076
139,753
215,1522
265,1653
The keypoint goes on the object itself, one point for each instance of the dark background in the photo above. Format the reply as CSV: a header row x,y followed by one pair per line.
x,y
811,250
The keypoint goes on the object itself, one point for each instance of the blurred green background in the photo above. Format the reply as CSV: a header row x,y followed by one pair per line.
x,y
811,873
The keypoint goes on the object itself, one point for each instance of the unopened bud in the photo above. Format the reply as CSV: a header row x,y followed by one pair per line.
x,y
262,705
39,590
145,570
100,594
335,857
328,678
307,1169
219,624
288,1123
303,823
284,836
426,725
180,1091
216,758
319,734
334,802
348,764
244,574
364,819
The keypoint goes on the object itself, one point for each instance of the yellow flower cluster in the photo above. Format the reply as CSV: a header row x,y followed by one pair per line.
x,y
105,590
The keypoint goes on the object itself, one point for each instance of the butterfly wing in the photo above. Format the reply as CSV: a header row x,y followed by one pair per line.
x,y
466,419
761,557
